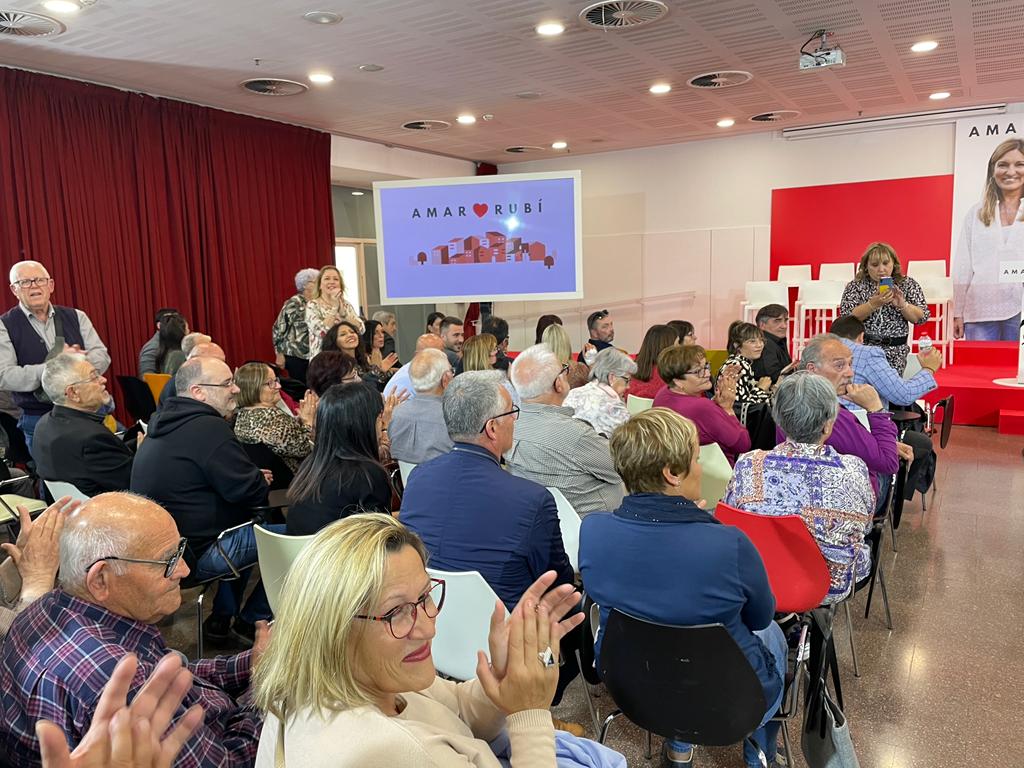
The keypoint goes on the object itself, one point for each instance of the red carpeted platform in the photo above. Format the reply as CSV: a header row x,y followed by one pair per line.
x,y
978,400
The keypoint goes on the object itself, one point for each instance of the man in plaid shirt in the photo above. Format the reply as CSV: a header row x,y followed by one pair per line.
x,y
120,568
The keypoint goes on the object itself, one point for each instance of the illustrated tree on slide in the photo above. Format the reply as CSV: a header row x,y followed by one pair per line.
x,y
421,257
549,262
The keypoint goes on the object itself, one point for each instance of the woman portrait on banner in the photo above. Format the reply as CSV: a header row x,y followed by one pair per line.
x,y
983,308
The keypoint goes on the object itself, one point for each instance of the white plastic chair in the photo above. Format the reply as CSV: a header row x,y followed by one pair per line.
x,y
276,553
569,522
926,269
840,272
817,305
938,293
716,472
794,274
637,405
758,293
58,488
464,623
405,468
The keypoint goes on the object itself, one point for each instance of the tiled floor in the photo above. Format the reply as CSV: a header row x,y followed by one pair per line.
x,y
944,686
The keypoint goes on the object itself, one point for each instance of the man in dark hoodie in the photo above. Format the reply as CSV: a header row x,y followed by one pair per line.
x,y
192,464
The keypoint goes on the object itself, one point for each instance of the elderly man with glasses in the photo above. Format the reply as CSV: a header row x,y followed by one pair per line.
x,y
192,464
121,566
34,331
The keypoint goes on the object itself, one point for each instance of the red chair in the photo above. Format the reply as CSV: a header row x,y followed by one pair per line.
x,y
796,569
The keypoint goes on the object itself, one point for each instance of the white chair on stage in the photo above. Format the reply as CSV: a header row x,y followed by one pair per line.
x,y
716,472
758,293
569,523
926,269
637,405
793,275
938,293
464,623
405,469
58,488
841,272
817,305
276,553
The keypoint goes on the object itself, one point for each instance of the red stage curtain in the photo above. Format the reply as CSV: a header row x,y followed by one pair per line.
x,y
135,203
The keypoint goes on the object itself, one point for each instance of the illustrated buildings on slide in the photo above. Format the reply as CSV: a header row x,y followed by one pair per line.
x,y
493,247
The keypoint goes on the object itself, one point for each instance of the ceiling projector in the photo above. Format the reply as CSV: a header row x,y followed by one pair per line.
x,y
825,55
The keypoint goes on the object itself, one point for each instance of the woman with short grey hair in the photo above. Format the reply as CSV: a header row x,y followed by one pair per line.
x,y
291,334
802,476
601,402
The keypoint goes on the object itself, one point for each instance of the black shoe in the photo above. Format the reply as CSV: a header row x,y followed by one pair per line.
x,y
244,631
217,627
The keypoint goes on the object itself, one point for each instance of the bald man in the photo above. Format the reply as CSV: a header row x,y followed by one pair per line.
x,y
121,566
400,380
192,463
204,347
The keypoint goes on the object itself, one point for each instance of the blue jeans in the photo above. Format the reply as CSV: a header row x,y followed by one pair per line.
x,y
768,733
994,330
27,425
240,546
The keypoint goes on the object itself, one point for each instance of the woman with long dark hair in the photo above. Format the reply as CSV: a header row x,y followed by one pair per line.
x,y
169,356
381,365
343,475
647,381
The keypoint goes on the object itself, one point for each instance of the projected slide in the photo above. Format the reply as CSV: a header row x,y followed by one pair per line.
x,y
490,238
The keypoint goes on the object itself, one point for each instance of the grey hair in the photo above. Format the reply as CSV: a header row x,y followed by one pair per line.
x,y
190,372
470,401
534,371
82,545
191,341
812,352
59,373
382,316
803,403
427,369
304,277
609,362
14,270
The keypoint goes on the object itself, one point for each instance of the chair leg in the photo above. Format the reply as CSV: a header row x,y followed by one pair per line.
x,y
885,597
853,647
892,531
649,753
787,745
607,722
589,696
199,623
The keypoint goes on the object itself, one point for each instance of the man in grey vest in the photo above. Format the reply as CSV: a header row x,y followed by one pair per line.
x,y
34,331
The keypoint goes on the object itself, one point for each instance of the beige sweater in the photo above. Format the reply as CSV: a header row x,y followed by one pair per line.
x,y
448,724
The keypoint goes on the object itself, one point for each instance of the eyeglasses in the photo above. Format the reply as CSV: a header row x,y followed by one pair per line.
x,y
272,383
623,377
561,373
229,383
93,378
514,413
698,371
402,619
169,564
32,282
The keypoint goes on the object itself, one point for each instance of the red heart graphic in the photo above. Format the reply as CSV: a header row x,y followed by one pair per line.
x,y
480,209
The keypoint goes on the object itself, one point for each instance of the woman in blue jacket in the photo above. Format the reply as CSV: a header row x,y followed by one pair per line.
x,y
661,557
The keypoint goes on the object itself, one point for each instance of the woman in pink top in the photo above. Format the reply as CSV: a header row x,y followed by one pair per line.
x,y
646,381
688,376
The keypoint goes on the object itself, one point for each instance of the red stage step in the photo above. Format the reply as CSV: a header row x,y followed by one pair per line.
x,y
980,402
1011,422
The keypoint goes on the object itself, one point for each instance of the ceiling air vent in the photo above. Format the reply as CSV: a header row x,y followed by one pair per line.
x,y
522,150
24,24
727,79
623,14
427,125
774,117
272,86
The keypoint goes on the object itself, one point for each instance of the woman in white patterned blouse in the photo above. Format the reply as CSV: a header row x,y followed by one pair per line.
x,y
328,308
600,402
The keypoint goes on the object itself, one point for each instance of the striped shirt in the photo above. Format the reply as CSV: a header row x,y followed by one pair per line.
x,y
60,653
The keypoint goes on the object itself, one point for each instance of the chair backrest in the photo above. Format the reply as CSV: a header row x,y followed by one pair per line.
x,y
405,468
794,274
156,383
464,623
569,522
797,571
58,488
637,405
276,554
841,272
137,397
821,292
689,683
716,472
937,289
926,268
761,292
263,456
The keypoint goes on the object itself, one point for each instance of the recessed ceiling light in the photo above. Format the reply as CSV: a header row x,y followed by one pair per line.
x,y
528,95
726,122
559,145
924,46
357,193
660,88
322,17
62,6
466,119
550,28
370,67
939,96
321,78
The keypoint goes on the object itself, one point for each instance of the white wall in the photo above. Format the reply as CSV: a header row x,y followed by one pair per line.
x,y
360,163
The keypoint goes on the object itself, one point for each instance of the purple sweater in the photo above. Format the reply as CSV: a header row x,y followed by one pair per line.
x,y
714,425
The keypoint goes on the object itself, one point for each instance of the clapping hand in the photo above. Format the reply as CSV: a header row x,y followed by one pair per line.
x,y
765,383
389,362
307,408
391,402
129,736
35,553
